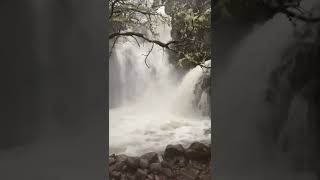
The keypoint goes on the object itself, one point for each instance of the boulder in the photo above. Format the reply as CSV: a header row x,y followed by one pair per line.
x,y
190,174
112,160
133,162
150,177
131,177
167,172
141,174
155,167
124,167
198,151
123,177
167,164
181,161
143,163
117,166
121,158
174,151
151,157
116,174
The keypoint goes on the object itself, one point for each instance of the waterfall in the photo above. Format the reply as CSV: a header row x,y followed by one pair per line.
x,y
187,92
150,106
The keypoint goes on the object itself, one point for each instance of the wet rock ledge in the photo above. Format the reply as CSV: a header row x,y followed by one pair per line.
x,y
175,163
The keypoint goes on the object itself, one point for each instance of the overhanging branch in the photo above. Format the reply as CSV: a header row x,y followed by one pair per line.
x,y
140,35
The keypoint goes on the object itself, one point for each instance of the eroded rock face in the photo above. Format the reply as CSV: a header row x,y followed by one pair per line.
x,y
178,163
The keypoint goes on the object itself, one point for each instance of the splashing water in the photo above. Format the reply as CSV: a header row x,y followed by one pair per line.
x,y
150,107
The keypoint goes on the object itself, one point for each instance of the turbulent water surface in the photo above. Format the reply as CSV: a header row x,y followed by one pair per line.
x,y
151,107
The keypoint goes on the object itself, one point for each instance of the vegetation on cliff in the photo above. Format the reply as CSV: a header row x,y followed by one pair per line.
x,y
190,27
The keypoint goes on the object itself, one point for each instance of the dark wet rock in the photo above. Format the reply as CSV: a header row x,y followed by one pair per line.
x,y
150,177
133,162
121,158
174,151
161,177
181,161
151,157
167,172
131,177
205,177
143,163
176,164
167,164
198,151
116,174
155,167
112,160
123,177
190,174
124,167
117,166
156,177
141,174
198,166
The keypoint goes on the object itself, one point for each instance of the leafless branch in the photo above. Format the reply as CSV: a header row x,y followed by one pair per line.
x,y
114,43
135,40
147,55
140,35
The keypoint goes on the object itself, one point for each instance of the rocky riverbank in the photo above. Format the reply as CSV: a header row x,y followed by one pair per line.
x,y
175,163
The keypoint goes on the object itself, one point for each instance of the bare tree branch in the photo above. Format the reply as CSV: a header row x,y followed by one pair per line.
x,y
135,40
140,35
147,55
139,11
114,43
138,14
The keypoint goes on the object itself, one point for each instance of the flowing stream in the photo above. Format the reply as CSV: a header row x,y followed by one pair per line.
x,y
150,103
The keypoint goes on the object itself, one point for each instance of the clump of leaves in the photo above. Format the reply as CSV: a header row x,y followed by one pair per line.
x,y
193,24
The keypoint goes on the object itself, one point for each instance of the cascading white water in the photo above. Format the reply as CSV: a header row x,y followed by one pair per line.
x,y
154,107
